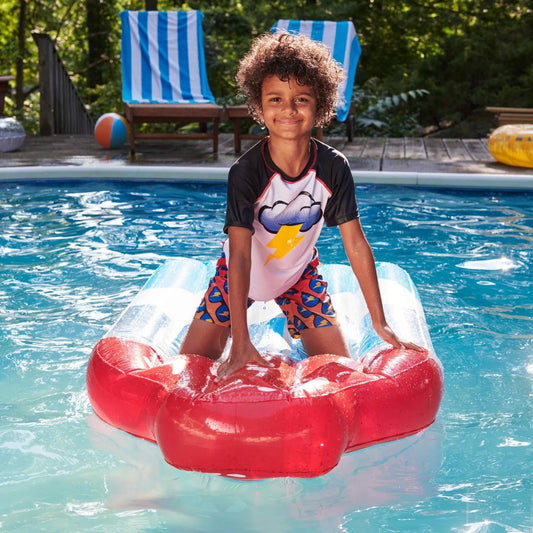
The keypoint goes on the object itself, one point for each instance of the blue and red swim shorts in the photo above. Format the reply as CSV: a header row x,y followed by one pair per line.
x,y
307,304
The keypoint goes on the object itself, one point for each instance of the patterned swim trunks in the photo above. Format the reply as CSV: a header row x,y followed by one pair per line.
x,y
306,304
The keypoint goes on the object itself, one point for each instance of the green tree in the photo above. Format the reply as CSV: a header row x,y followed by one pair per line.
x,y
466,53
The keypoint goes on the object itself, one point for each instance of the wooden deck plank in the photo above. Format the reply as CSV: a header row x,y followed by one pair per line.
x,y
355,148
436,149
457,150
374,147
477,149
394,149
365,164
415,148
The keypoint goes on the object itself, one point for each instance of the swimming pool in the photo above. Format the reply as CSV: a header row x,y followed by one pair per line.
x,y
73,255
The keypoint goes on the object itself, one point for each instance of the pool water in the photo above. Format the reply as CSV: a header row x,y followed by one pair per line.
x,y
73,255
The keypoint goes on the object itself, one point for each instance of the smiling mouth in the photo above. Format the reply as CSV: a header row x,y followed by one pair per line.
x,y
288,121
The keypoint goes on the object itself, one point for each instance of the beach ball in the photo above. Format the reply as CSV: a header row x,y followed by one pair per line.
x,y
111,130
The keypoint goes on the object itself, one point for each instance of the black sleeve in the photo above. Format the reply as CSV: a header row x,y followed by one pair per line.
x,y
342,206
242,194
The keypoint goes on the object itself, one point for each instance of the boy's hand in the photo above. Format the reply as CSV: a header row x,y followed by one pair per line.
x,y
238,357
386,333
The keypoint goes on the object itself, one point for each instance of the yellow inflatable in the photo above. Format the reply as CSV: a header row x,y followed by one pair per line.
x,y
513,145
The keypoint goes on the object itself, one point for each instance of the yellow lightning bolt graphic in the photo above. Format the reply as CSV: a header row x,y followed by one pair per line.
x,y
285,240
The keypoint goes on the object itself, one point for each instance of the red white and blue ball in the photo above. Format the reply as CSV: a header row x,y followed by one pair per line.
x,y
111,130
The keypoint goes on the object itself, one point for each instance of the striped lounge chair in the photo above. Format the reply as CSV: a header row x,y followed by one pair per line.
x,y
164,78
341,38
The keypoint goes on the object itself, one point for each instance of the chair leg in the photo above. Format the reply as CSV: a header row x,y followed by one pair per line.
x,y
237,135
132,140
349,128
215,136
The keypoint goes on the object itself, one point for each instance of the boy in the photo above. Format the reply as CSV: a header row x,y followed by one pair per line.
x,y
280,193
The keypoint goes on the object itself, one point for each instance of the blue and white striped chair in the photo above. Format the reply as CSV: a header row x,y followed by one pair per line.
x,y
341,39
164,77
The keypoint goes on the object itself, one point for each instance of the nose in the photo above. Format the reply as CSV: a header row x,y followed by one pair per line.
x,y
290,107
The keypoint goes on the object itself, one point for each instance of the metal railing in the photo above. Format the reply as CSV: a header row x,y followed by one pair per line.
x,y
61,108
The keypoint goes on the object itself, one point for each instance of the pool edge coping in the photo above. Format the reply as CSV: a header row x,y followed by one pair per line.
x,y
208,174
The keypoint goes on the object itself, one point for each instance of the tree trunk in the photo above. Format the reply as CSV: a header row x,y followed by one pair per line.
x,y
98,31
19,90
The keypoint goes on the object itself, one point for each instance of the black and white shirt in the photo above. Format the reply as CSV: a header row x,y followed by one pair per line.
x,y
286,214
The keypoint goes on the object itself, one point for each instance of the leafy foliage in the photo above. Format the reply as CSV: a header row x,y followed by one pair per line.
x,y
382,115
466,53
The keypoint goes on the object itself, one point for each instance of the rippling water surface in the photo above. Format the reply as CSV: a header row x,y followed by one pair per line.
x,y
72,256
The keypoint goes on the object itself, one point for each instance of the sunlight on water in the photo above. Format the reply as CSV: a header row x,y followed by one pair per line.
x,y
502,263
73,255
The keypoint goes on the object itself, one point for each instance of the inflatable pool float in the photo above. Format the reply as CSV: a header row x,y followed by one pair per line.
x,y
512,145
12,134
295,418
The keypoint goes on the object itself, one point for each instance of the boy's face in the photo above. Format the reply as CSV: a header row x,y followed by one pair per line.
x,y
288,109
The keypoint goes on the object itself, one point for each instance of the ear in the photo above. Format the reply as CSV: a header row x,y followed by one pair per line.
x,y
258,115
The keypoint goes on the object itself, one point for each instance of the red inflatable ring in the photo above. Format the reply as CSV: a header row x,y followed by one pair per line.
x,y
294,419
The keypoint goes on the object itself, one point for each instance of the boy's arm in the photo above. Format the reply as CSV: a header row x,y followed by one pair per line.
x,y
363,265
242,350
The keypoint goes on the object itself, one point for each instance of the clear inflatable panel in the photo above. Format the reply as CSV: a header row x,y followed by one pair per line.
x,y
160,313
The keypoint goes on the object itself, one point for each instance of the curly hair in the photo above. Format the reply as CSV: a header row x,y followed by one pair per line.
x,y
287,55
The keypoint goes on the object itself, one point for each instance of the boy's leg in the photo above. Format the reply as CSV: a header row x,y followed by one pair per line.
x,y
205,338
310,314
210,329
325,340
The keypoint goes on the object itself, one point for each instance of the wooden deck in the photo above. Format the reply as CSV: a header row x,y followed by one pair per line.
x,y
371,154
419,148
424,155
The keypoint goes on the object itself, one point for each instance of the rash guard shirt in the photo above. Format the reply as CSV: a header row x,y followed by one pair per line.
x,y
286,214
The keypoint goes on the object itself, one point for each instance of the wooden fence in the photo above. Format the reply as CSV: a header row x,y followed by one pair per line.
x,y
61,108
